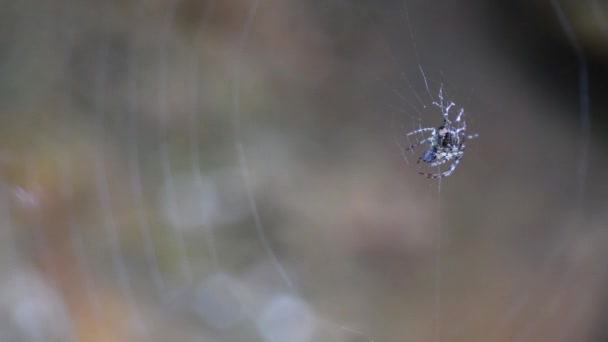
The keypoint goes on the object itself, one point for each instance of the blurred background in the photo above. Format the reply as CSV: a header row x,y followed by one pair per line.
x,y
195,170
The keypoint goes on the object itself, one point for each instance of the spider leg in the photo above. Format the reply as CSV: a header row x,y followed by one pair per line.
x,y
420,131
446,113
449,171
460,112
446,173
420,142
447,110
439,162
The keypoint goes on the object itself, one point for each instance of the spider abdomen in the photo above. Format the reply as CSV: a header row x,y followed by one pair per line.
x,y
429,156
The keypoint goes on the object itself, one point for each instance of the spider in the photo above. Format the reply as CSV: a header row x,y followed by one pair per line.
x,y
447,142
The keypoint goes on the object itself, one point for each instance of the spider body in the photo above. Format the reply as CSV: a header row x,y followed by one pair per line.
x,y
429,156
446,143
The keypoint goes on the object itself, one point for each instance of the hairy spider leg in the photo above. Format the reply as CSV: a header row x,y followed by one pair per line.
x,y
440,104
445,110
429,139
452,167
460,112
472,136
442,161
446,173
421,130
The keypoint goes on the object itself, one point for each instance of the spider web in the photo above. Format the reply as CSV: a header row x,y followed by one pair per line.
x,y
223,171
417,110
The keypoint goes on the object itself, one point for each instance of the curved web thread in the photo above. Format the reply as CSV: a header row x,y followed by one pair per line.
x,y
418,139
133,162
66,171
243,164
133,151
552,263
164,47
444,107
186,264
413,139
109,223
193,133
431,103
236,112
